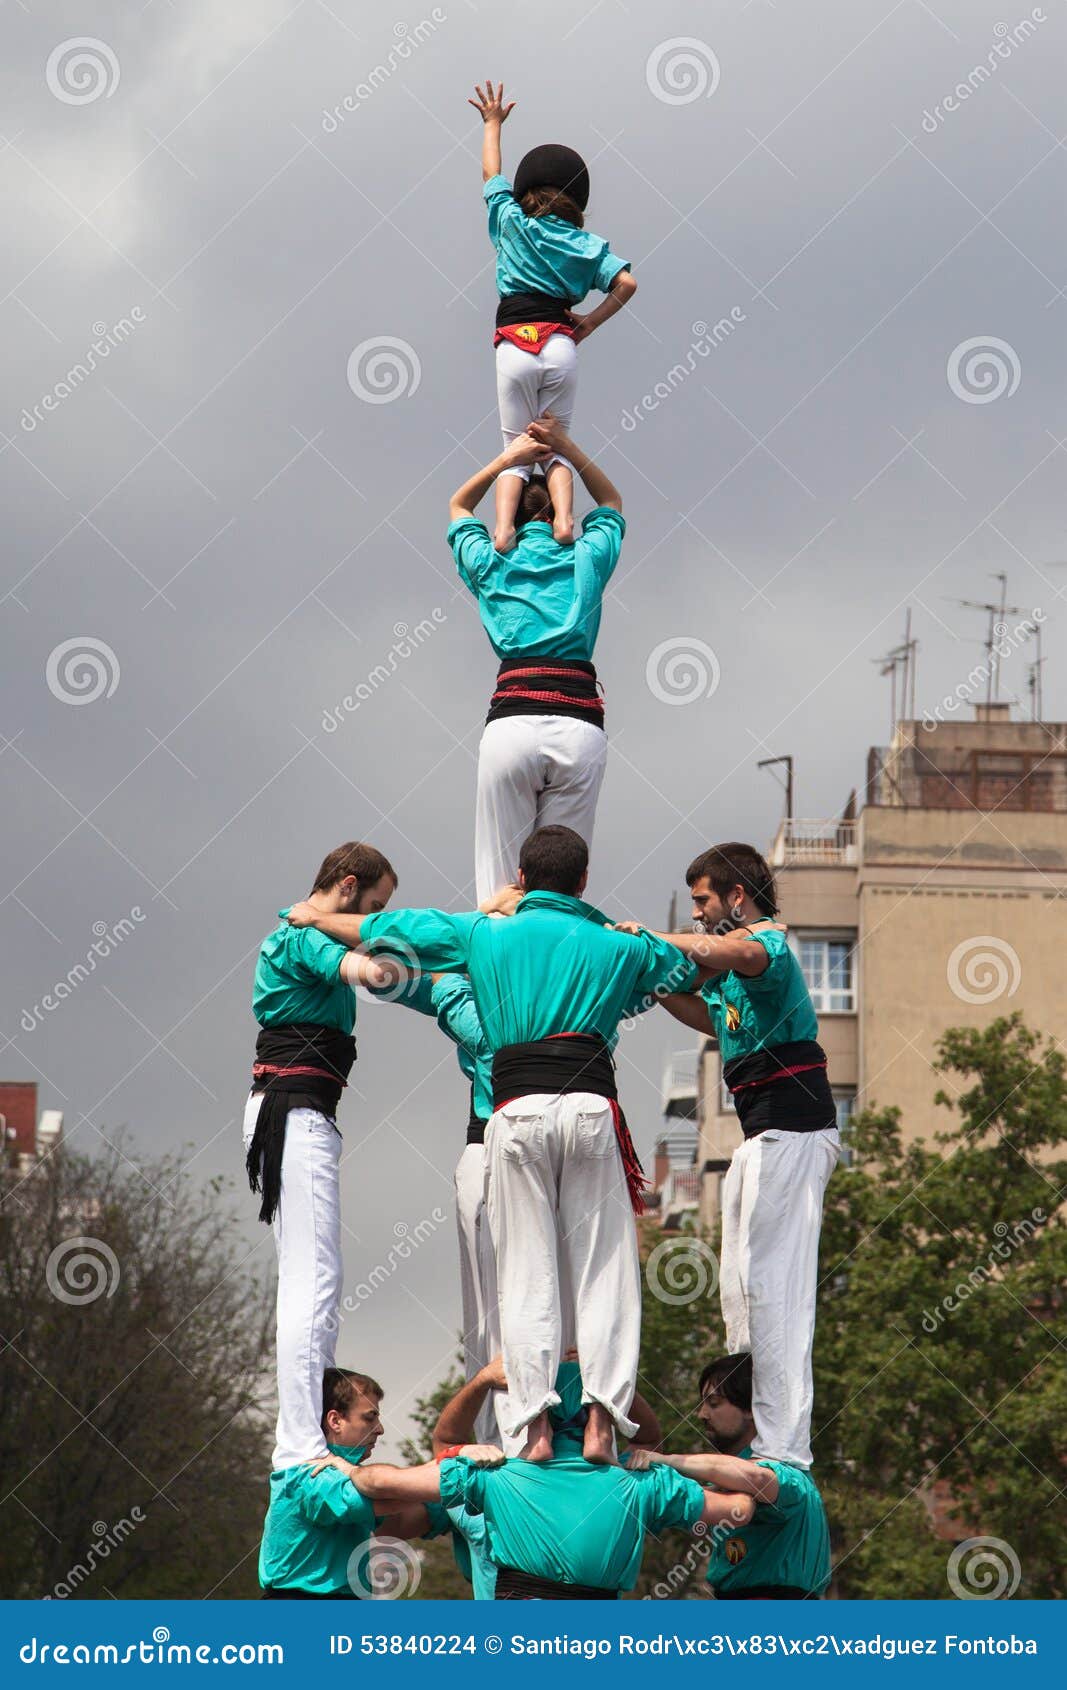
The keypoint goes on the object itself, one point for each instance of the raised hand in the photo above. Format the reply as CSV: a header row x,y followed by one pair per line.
x,y
302,915
491,105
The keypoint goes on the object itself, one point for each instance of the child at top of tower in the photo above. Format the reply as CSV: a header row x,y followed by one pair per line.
x,y
546,263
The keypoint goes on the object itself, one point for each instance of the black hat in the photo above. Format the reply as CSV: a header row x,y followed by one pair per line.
x,y
553,166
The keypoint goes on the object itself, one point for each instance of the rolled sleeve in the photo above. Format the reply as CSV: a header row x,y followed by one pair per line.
x,y
315,955
472,549
332,1500
603,531
678,1501
462,1486
501,203
434,938
608,268
777,949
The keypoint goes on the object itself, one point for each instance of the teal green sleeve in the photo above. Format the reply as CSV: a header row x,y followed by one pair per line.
x,y
439,1522
315,955
462,1486
774,975
452,1001
665,969
473,551
601,541
332,1500
500,203
608,268
435,939
678,1501
793,1487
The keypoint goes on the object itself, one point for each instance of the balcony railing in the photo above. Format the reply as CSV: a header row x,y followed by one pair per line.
x,y
814,843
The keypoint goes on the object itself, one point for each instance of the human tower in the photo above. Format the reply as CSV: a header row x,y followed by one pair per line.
x,y
547,1469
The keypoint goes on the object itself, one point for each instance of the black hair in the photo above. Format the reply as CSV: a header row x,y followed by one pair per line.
x,y
734,864
730,1377
554,859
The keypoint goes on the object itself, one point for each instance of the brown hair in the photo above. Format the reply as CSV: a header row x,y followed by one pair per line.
x,y
553,860
552,202
535,502
367,864
341,1387
727,866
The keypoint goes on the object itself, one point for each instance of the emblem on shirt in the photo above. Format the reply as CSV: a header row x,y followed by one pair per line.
x,y
733,1018
735,1549
526,331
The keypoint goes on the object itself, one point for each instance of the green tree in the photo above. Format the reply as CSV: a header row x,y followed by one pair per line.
x,y
134,1362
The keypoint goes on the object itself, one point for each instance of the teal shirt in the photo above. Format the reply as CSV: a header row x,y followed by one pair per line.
x,y
298,978
787,1542
568,1520
545,254
555,966
541,599
772,1008
312,1527
468,1546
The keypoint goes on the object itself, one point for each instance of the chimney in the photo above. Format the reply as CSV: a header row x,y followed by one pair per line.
x,y
661,1166
998,712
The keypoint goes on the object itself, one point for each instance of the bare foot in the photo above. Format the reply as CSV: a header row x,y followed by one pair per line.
x,y
504,538
599,1442
538,1445
563,530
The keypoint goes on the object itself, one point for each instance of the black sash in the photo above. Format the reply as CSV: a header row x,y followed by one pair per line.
x,y
299,1066
771,1592
531,308
547,686
785,1087
565,1063
515,1586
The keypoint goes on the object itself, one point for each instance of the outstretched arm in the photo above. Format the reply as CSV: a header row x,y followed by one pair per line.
x,y
455,1424
716,953
690,1009
494,113
382,974
465,500
380,1481
727,1473
601,490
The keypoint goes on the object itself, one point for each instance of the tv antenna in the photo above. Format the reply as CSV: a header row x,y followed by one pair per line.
x,y
996,613
901,661
787,783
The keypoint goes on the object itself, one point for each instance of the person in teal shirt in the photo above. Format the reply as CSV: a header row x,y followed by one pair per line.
x,y
317,1534
543,750
758,1009
566,1528
546,263
783,1550
550,986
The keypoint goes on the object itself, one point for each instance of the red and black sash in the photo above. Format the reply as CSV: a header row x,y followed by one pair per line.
x,y
301,1066
547,686
559,1065
785,1087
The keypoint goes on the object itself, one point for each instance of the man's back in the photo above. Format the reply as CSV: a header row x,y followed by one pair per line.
x,y
570,1521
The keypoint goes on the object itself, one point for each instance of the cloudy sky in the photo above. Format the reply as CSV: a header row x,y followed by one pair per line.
x,y
268,214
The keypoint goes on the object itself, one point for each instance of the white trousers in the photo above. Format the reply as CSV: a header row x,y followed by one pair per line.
x,y
566,1250
307,1237
533,771
528,384
477,1279
771,1217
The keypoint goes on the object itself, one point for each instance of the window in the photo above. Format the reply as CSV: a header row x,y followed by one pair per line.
x,y
726,1099
827,966
844,1104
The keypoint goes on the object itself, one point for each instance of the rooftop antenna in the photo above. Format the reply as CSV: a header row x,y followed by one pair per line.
x,y
773,762
996,614
901,660
1034,679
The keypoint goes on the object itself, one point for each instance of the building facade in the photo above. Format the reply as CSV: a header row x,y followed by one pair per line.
x,y
940,902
